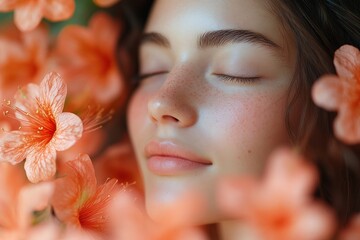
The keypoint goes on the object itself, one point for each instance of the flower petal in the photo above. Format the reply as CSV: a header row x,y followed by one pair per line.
x,y
28,15
69,129
58,10
313,222
347,125
12,147
76,186
327,92
26,100
107,31
33,198
37,43
93,211
105,3
53,92
12,179
40,164
8,5
347,61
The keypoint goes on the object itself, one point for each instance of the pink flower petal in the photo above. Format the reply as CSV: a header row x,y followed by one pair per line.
x,y
25,99
347,125
105,3
107,31
12,147
314,222
33,198
76,184
37,42
40,164
28,15
69,129
233,195
328,92
112,88
58,10
53,92
347,61
289,170
8,5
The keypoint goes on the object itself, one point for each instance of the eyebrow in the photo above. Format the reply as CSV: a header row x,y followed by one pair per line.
x,y
155,38
215,38
223,37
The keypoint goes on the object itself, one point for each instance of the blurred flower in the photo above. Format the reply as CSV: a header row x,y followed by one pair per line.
x,y
12,179
28,13
89,143
44,129
280,206
352,231
78,201
106,3
23,58
342,93
129,221
119,162
22,205
86,57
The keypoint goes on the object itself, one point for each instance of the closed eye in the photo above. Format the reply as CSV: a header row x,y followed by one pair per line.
x,y
237,79
141,77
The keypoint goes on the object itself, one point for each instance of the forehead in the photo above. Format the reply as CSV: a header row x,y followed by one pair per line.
x,y
189,18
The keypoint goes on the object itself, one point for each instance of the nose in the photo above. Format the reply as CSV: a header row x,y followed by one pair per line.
x,y
173,103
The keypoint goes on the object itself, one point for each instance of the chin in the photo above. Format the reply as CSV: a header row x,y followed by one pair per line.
x,y
182,198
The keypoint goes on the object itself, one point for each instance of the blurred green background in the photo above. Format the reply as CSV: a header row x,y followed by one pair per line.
x,y
83,11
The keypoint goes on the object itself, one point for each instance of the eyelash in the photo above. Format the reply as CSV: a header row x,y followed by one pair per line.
x,y
222,76
236,79
148,75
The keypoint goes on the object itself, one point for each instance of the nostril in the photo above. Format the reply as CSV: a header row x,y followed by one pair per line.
x,y
169,118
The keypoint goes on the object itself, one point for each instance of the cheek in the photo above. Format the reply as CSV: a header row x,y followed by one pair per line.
x,y
247,130
137,115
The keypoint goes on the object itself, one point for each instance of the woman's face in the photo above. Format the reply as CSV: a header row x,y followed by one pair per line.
x,y
211,102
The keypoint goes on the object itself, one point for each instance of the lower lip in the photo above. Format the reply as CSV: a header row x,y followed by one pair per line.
x,y
167,165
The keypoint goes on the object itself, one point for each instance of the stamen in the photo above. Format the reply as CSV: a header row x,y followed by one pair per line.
x,y
94,118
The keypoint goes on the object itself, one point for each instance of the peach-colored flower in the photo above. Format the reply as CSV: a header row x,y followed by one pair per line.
x,y
12,179
342,93
18,201
44,128
129,221
28,13
119,162
280,206
352,231
23,58
105,3
90,143
86,58
78,201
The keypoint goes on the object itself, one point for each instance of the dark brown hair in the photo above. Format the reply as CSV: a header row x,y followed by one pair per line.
x,y
319,28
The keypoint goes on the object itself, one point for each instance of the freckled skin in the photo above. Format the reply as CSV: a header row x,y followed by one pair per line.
x,y
235,125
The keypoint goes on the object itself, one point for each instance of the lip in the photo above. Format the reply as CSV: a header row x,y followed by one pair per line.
x,y
169,158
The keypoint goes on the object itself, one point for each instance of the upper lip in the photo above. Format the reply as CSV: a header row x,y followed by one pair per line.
x,y
171,149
